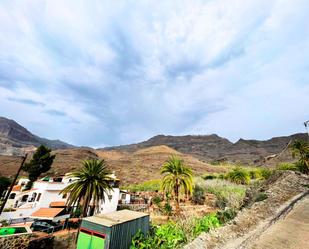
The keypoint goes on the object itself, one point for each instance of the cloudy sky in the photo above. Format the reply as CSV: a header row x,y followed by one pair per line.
x,y
114,72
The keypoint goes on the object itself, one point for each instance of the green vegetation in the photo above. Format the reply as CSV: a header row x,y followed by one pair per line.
x,y
300,149
177,177
198,196
4,184
90,183
40,163
226,215
174,234
287,166
152,185
229,195
239,176
205,223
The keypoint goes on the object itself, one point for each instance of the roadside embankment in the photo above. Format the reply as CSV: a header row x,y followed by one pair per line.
x,y
284,190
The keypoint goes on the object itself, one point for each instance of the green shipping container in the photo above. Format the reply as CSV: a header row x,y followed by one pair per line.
x,y
111,231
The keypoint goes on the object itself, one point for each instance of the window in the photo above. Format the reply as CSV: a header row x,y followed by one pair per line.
x,y
39,196
12,196
24,198
33,197
110,197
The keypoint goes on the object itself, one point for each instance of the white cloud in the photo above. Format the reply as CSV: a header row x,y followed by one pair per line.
x,y
118,72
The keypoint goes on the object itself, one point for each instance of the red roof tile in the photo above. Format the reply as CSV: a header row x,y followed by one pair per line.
x,y
47,212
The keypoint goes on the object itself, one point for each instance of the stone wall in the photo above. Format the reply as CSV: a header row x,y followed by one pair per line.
x,y
65,241
46,242
20,241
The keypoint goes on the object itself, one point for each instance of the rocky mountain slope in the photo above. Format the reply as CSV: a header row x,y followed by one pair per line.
x,y
15,139
214,148
136,167
141,161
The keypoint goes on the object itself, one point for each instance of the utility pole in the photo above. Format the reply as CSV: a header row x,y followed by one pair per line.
x,y
13,183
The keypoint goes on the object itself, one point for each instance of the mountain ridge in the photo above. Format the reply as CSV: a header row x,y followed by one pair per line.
x,y
15,139
212,147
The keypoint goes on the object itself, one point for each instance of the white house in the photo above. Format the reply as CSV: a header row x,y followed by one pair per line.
x,y
45,195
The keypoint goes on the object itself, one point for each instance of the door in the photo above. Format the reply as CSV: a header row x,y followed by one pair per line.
x,y
84,240
97,241
88,239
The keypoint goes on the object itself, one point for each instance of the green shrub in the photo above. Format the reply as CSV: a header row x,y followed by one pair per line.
x,y
166,236
167,209
152,185
301,167
205,224
266,173
209,176
239,176
226,215
254,194
174,234
228,194
287,166
255,174
198,196
261,196
157,200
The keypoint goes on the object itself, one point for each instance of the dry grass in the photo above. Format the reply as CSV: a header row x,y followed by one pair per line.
x,y
131,168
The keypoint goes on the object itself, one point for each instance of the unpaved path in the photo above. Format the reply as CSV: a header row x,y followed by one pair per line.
x,y
292,232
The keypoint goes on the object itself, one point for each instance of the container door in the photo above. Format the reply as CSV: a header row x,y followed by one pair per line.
x,y
88,239
84,240
97,241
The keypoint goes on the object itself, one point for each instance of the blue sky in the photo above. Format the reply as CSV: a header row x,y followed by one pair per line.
x,y
102,73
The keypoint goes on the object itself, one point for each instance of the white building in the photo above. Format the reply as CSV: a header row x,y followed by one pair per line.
x,y
45,194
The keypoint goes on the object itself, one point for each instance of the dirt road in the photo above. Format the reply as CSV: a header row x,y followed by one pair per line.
x,y
290,233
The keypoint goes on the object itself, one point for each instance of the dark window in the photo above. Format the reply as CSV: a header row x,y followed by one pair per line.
x,y
24,198
39,196
12,196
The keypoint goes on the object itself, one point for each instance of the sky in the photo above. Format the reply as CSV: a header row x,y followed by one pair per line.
x,y
100,73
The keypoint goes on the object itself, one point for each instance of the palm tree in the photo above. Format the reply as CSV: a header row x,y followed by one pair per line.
x,y
90,183
301,149
177,176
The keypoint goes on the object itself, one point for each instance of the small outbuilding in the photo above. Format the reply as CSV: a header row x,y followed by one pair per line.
x,y
111,231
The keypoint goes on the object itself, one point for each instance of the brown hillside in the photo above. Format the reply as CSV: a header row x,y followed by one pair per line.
x,y
142,165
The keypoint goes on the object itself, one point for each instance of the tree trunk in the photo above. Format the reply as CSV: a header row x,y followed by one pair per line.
x,y
85,207
177,197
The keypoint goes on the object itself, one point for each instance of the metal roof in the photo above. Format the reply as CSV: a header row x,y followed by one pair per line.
x,y
115,218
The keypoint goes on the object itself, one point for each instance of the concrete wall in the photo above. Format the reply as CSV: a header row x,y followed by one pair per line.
x,y
110,205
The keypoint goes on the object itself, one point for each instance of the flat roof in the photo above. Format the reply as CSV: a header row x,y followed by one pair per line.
x,y
115,218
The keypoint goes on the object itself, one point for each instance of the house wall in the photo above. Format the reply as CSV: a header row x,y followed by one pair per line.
x,y
49,196
19,213
110,205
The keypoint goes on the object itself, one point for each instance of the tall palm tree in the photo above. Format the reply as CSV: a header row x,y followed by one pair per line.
x,y
177,176
90,183
301,149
